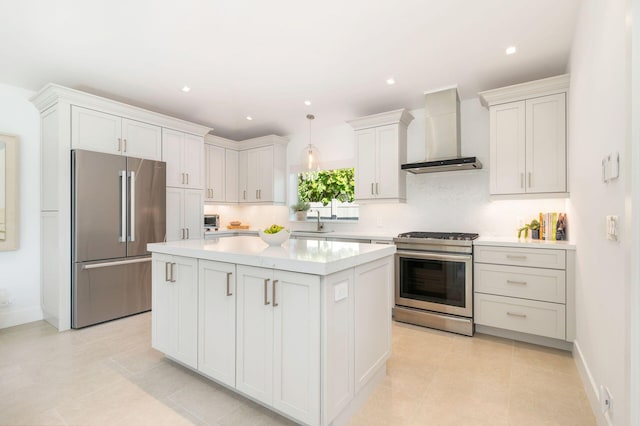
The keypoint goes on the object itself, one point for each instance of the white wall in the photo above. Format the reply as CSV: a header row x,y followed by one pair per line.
x,y
447,201
20,269
600,124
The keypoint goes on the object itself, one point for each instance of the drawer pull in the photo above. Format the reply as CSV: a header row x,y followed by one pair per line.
x,y
516,282
516,256
511,314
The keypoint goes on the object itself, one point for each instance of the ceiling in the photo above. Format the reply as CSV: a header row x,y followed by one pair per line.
x,y
265,58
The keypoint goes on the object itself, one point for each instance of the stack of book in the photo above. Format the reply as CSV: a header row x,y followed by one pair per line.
x,y
553,226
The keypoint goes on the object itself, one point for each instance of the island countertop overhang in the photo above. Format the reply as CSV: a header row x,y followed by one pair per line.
x,y
315,257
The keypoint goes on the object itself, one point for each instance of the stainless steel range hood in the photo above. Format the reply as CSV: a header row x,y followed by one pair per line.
x,y
442,135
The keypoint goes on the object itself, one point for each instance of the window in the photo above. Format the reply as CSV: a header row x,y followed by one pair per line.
x,y
331,192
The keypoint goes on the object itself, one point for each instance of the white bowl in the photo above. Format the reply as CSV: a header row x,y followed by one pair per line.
x,y
274,239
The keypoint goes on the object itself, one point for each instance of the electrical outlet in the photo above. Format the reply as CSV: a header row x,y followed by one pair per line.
x,y
606,400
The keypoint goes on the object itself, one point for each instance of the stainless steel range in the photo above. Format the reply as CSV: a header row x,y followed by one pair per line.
x,y
434,280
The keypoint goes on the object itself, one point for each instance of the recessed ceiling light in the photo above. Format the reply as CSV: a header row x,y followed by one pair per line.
x,y
307,103
249,117
185,89
510,50
391,81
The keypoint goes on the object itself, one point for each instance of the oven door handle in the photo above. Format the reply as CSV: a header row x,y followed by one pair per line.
x,y
433,256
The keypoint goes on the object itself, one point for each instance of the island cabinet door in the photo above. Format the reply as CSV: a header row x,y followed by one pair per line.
x,y
175,307
296,345
373,302
254,333
217,320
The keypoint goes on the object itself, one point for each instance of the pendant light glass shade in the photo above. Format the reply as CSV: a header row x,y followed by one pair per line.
x,y
311,151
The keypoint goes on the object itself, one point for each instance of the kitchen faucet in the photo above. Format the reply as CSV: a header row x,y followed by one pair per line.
x,y
320,225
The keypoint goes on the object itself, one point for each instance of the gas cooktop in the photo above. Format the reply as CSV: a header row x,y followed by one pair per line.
x,y
439,235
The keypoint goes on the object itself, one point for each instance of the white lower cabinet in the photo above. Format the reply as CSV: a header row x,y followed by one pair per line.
x,y
217,320
526,290
278,340
373,304
175,307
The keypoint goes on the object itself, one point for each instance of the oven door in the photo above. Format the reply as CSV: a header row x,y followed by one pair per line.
x,y
435,281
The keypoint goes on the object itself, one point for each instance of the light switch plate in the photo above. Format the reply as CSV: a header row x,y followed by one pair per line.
x,y
612,228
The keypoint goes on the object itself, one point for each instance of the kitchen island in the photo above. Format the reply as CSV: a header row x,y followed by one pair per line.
x,y
303,328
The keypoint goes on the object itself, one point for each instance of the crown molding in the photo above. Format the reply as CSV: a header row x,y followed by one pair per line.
x,y
382,119
52,94
530,89
247,143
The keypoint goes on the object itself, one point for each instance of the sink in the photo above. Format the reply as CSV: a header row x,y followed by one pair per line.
x,y
323,231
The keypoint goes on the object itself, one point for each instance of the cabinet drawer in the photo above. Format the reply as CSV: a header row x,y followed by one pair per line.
x,y
546,285
537,258
525,316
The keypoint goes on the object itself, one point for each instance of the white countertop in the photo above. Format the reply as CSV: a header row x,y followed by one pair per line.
x,y
307,256
524,243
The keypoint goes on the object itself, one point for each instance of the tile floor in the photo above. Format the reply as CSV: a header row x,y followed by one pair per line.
x,y
108,374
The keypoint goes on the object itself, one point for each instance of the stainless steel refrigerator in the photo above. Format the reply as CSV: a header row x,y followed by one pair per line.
x,y
118,206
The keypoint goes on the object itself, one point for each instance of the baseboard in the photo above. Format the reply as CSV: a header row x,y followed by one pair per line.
x,y
590,386
11,316
524,337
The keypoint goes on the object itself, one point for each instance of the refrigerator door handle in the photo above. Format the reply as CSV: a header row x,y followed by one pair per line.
x,y
116,263
123,206
132,206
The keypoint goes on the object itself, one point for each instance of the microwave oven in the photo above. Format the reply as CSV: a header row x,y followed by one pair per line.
x,y
211,222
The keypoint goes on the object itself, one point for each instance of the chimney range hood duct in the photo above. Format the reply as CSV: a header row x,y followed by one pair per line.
x,y
442,135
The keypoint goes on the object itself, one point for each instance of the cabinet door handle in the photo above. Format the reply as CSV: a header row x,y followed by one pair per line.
x,y
229,284
266,284
173,272
167,267
119,144
518,256
371,188
377,188
187,178
521,180
529,179
516,282
260,193
244,194
182,178
182,233
125,145
256,194
513,314
187,233
274,293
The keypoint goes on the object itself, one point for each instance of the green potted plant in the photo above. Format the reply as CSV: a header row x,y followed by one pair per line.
x,y
300,209
535,230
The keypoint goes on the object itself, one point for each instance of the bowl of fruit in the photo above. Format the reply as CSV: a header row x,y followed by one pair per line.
x,y
274,235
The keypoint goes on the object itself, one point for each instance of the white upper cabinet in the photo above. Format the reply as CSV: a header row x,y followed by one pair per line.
x,y
250,171
381,148
184,155
214,173
141,140
243,164
546,146
98,131
528,137
261,173
231,175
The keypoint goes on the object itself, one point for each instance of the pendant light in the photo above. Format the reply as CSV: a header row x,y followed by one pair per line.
x,y
312,150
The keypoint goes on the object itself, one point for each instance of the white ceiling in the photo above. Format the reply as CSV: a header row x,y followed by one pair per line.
x,y
264,58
